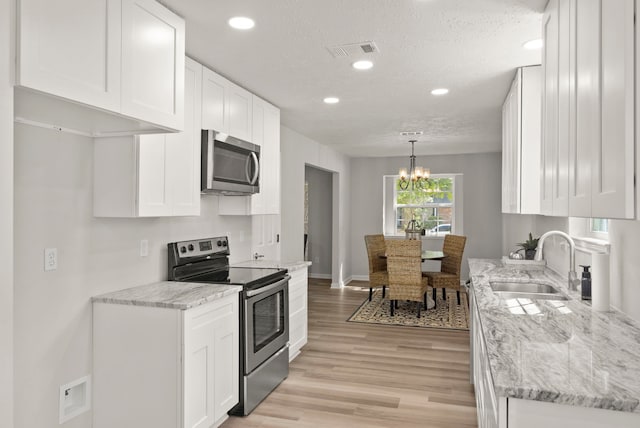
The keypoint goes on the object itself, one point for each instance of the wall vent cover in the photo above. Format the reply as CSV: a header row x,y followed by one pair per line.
x,y
350,49
411,133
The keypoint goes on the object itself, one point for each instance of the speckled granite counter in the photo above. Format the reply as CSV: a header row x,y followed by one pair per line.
x,y
556,351
169,294
275,264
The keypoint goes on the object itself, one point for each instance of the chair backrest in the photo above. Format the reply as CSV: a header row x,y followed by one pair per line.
x,y
375,248
453,248
404,261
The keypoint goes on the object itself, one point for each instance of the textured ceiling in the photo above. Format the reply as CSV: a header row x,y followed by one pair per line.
x,y
471,47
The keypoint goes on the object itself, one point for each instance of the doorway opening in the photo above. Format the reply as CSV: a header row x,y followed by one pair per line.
x,y
318,221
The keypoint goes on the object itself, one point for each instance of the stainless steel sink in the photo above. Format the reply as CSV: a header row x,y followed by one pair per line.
x,y
527,290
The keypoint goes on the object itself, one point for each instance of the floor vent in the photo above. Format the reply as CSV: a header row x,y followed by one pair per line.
x,y
341,51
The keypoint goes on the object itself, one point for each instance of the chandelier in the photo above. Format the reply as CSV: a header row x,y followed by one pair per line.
x,y
416,175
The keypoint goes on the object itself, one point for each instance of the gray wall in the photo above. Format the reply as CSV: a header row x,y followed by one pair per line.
x,y
53,208
298,151
320,224
6,212
481,201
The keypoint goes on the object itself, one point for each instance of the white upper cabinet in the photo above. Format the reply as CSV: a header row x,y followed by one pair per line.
x,y
602,152
266,134
226,107
124,58
152,63
521,127
152,175
588,125
549,107
71,48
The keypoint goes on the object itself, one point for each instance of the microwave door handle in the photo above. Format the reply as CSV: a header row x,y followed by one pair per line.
x,y
210,164
256,164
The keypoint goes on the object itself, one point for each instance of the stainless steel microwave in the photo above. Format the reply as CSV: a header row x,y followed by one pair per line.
x,y
230,166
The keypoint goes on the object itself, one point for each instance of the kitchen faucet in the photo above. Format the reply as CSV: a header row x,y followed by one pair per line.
x,y
573,277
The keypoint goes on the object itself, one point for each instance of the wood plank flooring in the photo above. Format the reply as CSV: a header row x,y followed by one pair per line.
x,y
362,375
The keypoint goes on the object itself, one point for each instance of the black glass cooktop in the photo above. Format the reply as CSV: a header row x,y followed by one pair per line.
x,y
247,277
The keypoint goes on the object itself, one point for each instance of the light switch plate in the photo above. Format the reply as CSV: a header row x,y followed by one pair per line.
x,y
50,259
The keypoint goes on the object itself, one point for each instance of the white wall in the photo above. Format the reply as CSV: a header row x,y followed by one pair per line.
x,y
320,224
7,22
298,151
53,208
481,202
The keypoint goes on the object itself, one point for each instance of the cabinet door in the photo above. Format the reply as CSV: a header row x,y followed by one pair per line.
x,y
561,166
152,63
153,197
71,48
211,361
226,356
587,102
530,135
549,107
258,200
183,148
271,159
297,312
240,103
613,166
215,113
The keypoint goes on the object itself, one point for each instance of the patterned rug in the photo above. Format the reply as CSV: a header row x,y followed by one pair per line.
x,y
447,315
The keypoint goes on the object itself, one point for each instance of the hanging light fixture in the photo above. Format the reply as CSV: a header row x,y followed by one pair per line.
x,y
416,175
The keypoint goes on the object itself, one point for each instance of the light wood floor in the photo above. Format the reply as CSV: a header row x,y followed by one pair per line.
x,y
360,375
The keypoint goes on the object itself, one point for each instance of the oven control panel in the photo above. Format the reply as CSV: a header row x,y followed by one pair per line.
x,y
202,247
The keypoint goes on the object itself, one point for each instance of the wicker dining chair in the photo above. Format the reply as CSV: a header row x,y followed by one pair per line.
x,y
404,264
378,276
449,275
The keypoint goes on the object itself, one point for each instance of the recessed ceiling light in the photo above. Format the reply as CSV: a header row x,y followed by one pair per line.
x,y
362,65
241,23
533,44
331,100
440,91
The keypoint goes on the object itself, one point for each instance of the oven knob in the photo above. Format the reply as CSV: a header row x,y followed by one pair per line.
x,y
183,249
219,243
190,247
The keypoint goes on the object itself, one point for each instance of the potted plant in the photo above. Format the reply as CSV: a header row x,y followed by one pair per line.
x,y
529,246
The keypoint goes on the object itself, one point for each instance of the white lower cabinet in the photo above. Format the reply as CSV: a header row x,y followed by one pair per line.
x,y
297,311
165,368
152,175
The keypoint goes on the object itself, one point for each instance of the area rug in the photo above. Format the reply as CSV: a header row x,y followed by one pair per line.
x,y
446,315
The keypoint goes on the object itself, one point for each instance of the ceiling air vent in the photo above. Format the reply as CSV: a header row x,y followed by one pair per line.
x,y
351,49
411,133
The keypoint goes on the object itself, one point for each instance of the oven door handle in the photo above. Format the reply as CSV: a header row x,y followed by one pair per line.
x,y
261,290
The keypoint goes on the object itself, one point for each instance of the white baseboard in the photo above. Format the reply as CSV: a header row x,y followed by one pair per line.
x,y
320,275
360,278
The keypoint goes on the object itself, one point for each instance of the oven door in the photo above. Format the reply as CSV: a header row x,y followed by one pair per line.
x,y
266,323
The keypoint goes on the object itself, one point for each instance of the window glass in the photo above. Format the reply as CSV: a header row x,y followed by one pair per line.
x,y
431,206
600,225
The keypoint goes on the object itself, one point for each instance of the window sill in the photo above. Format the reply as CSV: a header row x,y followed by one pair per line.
x,y
591,245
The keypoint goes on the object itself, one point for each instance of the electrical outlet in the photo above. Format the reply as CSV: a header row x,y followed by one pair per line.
x,y
144,248
50,259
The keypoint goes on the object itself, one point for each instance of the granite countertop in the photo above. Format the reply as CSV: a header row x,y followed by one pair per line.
x,y
169,294
556,351
275,264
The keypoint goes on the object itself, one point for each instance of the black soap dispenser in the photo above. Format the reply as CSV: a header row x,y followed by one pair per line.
x,y
586,283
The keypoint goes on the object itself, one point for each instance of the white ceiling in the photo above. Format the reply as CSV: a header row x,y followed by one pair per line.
x,y
471,47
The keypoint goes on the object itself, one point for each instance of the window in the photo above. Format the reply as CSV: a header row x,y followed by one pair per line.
x,y
432,207
599,225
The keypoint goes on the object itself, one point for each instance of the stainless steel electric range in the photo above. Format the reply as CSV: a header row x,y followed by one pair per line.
x,y
264,307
